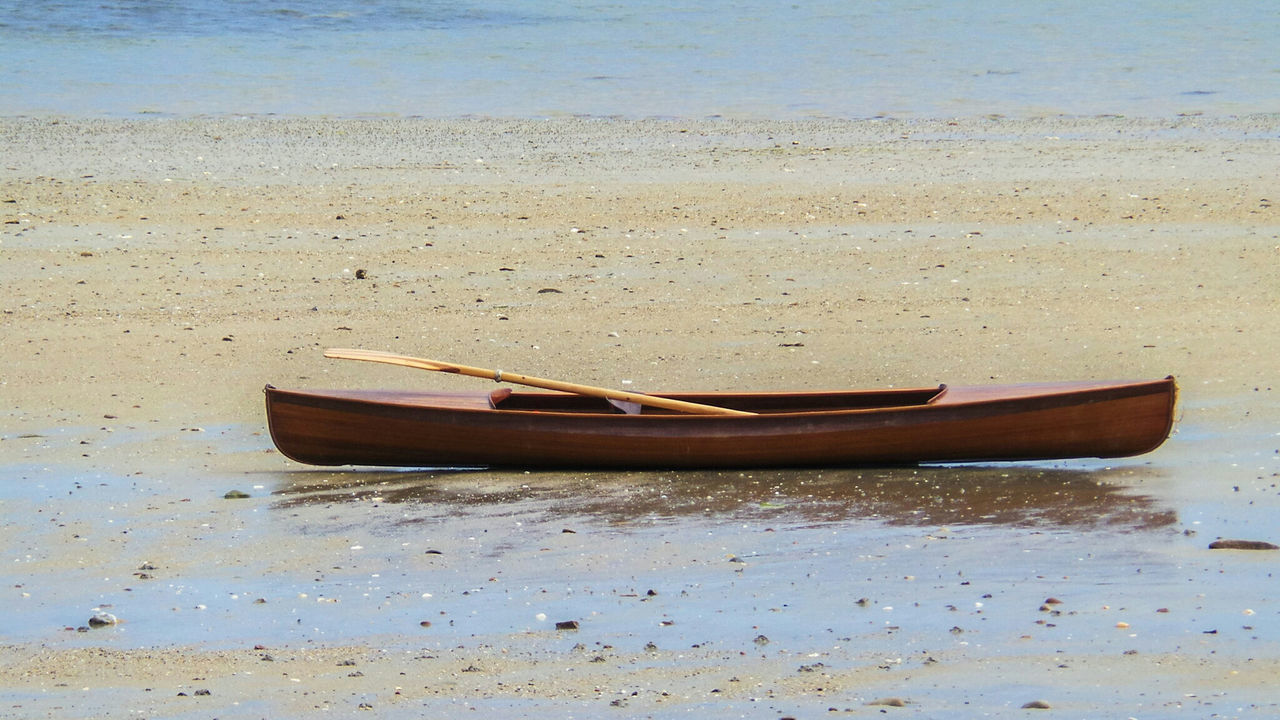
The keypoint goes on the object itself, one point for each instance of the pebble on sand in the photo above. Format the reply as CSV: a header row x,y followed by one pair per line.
x,y
1242,545
102,618
1036,705
889,702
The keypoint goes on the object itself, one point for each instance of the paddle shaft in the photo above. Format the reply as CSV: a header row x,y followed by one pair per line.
x,y
558,385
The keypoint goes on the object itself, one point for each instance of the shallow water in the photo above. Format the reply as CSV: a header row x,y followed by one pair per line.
x,y
899,561
654,58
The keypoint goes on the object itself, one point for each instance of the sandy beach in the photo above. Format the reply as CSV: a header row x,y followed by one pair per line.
x,y
156,273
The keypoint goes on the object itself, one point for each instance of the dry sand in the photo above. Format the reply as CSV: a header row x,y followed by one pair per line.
x,y
156,273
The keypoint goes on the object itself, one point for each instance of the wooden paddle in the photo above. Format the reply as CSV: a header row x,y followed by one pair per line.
x,y
499,376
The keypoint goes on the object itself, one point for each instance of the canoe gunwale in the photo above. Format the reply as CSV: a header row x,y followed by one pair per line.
x,y
942,395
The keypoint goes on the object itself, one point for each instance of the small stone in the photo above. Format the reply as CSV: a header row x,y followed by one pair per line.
x,y
1242,545
567,625
761,640
889,702
235,495
1036,705
102,618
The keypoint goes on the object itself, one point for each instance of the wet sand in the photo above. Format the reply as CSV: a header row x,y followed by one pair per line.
x,y
157,273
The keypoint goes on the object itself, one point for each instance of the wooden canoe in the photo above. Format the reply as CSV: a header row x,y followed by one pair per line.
x,y
877,427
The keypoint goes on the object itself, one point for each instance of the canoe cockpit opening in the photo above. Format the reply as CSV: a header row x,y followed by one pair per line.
x,y
762,403
497,396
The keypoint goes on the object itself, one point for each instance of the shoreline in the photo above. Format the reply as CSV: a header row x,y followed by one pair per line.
x,y
158,272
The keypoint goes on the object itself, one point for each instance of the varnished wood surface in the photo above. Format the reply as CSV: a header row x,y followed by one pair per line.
x,y
536,430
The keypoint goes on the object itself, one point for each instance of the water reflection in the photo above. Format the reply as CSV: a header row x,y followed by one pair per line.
x,y
932,497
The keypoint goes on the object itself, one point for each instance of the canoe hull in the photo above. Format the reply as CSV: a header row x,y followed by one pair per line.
x,y
1021,422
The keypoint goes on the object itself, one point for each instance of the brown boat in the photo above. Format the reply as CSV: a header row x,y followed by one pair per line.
x,y
766,429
